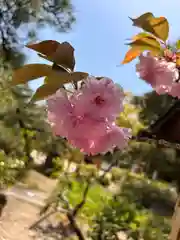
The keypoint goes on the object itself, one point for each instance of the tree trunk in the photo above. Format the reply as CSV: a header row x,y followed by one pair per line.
x,y
48,164
175,224
3,202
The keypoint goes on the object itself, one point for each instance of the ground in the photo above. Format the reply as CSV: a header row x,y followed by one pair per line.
x,y
16,219
19,214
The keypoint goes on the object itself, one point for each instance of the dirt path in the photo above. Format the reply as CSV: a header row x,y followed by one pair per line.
x,y
16,219
23,208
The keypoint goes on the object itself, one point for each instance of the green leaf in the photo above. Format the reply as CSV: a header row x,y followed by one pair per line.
x,y
178,44
30,72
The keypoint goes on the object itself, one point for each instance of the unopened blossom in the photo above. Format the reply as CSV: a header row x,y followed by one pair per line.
x,y
159,73
86,117
101,98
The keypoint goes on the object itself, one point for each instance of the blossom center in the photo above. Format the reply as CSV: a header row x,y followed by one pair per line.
x,y
99,100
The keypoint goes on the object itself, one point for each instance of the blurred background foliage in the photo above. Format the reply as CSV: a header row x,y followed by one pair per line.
x,y
135,197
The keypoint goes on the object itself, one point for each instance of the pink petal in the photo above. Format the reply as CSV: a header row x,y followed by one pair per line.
x,y
159,73
175,90
103,98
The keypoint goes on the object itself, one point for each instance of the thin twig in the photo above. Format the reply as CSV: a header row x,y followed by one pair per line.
x,y
63,199
34,225
114,163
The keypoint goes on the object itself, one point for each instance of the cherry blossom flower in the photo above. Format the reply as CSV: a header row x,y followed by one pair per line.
x,y
87,116
101,98
159,73
65,120
175,90
59,107
114,137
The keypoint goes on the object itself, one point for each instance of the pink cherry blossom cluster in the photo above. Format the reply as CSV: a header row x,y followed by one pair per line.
x,y
86,117
160,73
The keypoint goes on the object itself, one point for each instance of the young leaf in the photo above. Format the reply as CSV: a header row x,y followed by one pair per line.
x,y
159,27
30,72
142,20
131,55
178,58
142,35
146,44
178,44
178,62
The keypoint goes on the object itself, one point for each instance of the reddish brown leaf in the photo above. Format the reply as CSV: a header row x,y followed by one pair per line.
x,y
64,55
47,47
30,72
54,81
44,91
59,53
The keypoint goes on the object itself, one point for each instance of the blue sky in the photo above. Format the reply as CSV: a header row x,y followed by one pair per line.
x,y
99,35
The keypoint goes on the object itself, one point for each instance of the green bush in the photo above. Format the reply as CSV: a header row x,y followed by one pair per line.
x,y
117,174
121,215
10,169
97,198
88,171
130,210
145,192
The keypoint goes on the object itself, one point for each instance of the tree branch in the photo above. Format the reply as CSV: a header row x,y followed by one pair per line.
x,y
75,227
83,201
71,214
114,163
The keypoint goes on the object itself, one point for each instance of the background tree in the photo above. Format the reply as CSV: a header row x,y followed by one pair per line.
x,y
149,109
31,15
